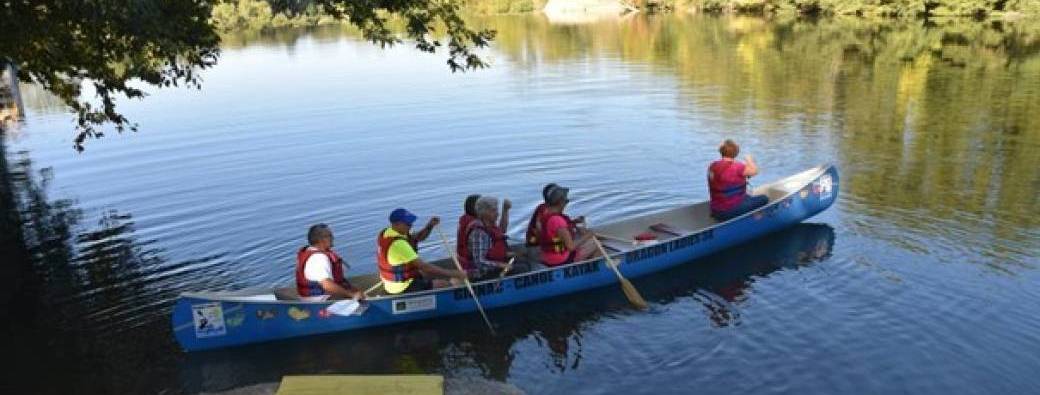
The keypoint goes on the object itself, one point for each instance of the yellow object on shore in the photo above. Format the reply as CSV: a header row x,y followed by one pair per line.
x,y
406,384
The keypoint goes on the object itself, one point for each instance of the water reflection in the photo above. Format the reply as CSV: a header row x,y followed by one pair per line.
x,y
932,124
81,297
934,121
554,328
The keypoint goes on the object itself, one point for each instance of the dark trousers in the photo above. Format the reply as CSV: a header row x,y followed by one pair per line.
x,y
750,203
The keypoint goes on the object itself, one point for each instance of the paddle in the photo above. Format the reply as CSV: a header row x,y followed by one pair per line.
x,y
615,238
509,266
664,228
373,288
468,285
635,241
630,290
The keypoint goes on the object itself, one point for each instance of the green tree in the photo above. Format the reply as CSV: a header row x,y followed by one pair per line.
x,y
115,47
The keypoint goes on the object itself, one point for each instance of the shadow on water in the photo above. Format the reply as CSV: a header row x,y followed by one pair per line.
x,y
80,296
461,346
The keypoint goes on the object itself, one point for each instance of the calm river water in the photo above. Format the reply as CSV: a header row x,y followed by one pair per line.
x,y
921,278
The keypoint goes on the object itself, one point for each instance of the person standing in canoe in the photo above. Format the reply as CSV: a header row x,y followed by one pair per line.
x,y
727,184
469,214
400,267
319,270
486,247
561,242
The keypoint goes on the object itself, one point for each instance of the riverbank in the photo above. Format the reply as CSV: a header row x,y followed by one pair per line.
x,y
863,8
259,15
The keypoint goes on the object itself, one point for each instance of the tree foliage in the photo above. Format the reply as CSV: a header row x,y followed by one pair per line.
x,y
107,45
117,48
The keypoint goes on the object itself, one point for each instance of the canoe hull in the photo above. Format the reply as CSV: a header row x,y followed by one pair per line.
x,y
205,321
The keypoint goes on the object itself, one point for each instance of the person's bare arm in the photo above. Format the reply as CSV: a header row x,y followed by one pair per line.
x,y
425,232
565,236
337,290
431,270
750,168
503,221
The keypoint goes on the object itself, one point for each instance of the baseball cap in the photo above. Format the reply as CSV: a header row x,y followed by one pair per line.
x,y
556,194
402,215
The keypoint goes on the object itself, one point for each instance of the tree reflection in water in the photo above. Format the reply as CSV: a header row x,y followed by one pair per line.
x,y
462,346
80,298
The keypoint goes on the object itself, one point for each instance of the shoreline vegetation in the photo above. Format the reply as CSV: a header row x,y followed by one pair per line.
x,y
257,15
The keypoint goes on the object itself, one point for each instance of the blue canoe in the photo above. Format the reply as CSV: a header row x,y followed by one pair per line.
x,y
206,320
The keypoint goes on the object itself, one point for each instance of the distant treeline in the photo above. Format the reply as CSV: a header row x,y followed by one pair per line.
x,y
254,15
238,15
883,8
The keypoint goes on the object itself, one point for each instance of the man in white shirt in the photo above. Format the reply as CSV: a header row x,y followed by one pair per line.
x,y
319,270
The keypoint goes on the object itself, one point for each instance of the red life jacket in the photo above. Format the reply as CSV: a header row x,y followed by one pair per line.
x,y
498,249
306,287
395,273
552,243
727,184
461,248
533,231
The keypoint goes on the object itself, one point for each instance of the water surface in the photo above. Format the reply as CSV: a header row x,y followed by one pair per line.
x,y
921,278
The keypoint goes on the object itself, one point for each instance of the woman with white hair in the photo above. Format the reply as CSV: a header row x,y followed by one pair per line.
x,y
485,240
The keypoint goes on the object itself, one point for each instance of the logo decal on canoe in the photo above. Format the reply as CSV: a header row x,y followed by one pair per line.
x,y
412,305
481,290
298,314
649,252
235,320
209,320
826,185
266,314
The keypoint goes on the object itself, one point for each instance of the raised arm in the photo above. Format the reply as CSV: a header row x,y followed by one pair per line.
x,y
503,220
425,232
750,168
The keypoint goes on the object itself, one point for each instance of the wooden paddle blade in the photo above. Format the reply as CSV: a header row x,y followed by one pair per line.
x,y
633,295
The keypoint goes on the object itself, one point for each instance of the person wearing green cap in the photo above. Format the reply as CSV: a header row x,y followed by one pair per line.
x,y
400,267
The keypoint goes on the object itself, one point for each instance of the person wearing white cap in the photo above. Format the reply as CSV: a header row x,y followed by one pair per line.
x,y
486,246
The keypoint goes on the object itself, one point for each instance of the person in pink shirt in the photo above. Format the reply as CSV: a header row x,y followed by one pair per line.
x,y
727,183
561,241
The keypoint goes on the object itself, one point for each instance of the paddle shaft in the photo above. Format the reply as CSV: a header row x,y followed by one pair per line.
x,y
466,280
509,266
615,238
373,288
609,259
630,290
664,229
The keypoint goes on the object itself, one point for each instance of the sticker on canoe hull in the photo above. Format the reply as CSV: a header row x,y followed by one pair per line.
x,y
412,305
298,314
209,320
826,185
